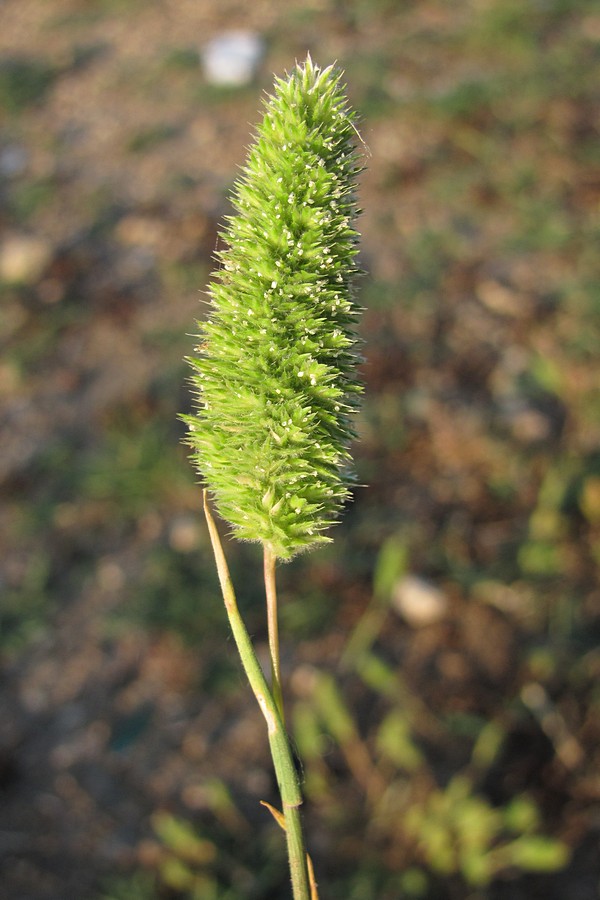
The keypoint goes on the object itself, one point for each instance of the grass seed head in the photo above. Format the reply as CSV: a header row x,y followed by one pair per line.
x,y
275,374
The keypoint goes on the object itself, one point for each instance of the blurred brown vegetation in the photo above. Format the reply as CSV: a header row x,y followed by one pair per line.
x,y
442,655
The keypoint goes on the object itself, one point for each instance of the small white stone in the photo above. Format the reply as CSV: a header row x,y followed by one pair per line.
x,y
418,601
23,258
232,58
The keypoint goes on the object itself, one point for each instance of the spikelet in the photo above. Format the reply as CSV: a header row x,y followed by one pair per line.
x,y
275,375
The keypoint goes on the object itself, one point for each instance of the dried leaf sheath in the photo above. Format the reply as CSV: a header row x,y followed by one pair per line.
x,y
275,375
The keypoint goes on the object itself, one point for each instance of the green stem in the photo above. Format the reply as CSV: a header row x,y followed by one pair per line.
x,y
287,780
271,593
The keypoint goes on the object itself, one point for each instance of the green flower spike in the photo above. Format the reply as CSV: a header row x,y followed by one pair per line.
x,y
275,375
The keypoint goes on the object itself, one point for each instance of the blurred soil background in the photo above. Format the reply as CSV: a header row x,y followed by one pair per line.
x,y
442,655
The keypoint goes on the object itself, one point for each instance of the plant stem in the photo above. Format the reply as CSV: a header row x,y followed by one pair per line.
x,y
271,593
281,752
